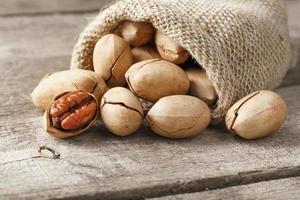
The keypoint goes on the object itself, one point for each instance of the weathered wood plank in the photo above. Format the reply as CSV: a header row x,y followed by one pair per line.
x,y
19,7
40,36
288,188
31,47
293,7
99,165
293,18
23,7
293,75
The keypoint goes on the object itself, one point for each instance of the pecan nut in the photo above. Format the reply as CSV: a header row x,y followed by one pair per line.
x,y
71,113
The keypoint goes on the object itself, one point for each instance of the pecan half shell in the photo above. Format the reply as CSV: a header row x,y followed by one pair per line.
x,y
71,113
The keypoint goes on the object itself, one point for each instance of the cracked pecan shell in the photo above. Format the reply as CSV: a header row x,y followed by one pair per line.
x,y
65,81
121,111
137,33
201,86
256,115
152,79
170,49
111,59
179,116
70,114
140,54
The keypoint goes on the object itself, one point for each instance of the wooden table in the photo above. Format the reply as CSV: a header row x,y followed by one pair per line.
x,y
36,37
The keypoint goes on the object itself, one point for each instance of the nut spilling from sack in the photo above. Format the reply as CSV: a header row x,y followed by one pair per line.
x,y
149,74
73,110
71,114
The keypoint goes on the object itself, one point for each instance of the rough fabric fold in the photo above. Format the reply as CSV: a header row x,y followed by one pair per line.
x,y
243,45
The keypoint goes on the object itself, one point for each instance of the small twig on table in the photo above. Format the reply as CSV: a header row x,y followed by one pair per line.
x,y
55,154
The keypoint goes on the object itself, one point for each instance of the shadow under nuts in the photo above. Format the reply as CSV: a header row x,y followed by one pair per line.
x,y
137,33
70,114
121,111
256,115
170,49
201,86
144,53
179,116
111,59
152,79
66,81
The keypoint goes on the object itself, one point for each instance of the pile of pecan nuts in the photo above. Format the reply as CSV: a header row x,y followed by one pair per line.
x,y
141,74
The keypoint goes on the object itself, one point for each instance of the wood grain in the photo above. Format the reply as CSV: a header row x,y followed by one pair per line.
x,y
37,7
276,190
27,7
110,167
293,7
99,165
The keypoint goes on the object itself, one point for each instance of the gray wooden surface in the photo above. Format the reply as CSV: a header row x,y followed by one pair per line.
x,y
38,7
97,165
288,188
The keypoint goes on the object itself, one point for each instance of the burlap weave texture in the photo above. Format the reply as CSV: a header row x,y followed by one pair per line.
x,y
243,45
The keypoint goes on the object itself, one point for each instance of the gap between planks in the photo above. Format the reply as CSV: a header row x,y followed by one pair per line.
x,y
178,188
287,188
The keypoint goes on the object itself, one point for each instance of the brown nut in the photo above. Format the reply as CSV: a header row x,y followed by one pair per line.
x,y
64,81
137,33
70,114
170,49
121,111
152,79
201,86
256,115
179,116
144,53
111,59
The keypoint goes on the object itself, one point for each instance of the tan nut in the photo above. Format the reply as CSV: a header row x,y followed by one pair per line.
x,y
70,80
121,111
144,53
170,49
256,115
201,86
137,33
111,59
153,79
179,116
70,114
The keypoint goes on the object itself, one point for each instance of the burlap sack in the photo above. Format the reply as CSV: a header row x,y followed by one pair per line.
x,y
243,45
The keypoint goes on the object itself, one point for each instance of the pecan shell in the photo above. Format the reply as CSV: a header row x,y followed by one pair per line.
x,y
70,114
